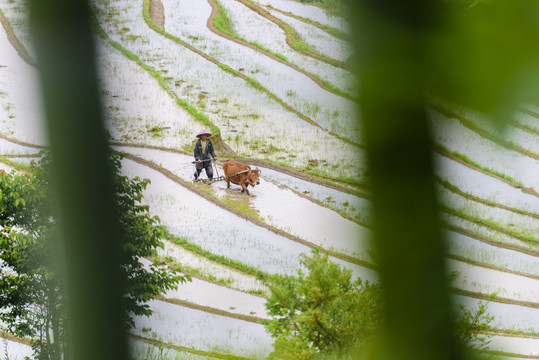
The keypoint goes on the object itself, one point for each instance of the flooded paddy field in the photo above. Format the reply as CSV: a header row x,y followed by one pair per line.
x,y
176,325
490,190
220,231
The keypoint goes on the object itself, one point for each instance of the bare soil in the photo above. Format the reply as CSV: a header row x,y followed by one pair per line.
x,y
157,13
14,41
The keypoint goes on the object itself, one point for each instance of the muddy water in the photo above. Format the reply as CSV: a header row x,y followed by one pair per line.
x,y
278,207
186,214
281,208
181,326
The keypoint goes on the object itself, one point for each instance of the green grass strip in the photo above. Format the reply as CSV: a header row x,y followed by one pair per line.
x,y
513,333
160,79
509,145
220,259
17,165
333,7
359,185
292,37
532,114
526,127
222,23
491,225
336,90
509,354
456,190
466,159
250,81
337,33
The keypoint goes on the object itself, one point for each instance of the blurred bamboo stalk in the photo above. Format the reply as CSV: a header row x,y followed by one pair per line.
x,y
81,179
392,43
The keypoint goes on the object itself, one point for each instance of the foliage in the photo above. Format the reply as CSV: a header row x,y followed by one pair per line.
x,y
31,302
222,21
321,312
336,7
469,324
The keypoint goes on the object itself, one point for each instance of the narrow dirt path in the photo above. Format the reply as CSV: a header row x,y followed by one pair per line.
x,y
450,113
462,162
22,143
12,38
300,175
157,13
326,28
249,218
213,29
291,35
489,203
497,299
263,163
212,310
489,241
20,340
491,267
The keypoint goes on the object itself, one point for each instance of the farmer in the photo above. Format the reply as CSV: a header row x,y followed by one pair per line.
x,y
203,150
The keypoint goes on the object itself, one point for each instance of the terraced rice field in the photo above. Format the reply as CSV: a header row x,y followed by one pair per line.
x,y
290,112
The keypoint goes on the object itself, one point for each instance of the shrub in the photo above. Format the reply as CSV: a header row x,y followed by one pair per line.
x,y
321,312
31,300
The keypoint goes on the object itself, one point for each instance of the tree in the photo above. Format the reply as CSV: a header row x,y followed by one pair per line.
x,y
321,312
32,300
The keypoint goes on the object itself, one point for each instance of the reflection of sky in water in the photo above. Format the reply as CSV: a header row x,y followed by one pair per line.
x,y
454,136
279,207
9,148
142,351
177,325
476,250
188,215
518,223
356,206
484,186
489,281
505,316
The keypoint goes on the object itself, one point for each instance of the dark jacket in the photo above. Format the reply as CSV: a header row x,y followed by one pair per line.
x,y
209,150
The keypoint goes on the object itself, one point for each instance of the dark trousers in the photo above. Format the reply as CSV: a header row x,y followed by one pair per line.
x,y
205,165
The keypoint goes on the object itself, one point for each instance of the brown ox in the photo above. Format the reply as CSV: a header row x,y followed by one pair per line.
x,y
240,174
